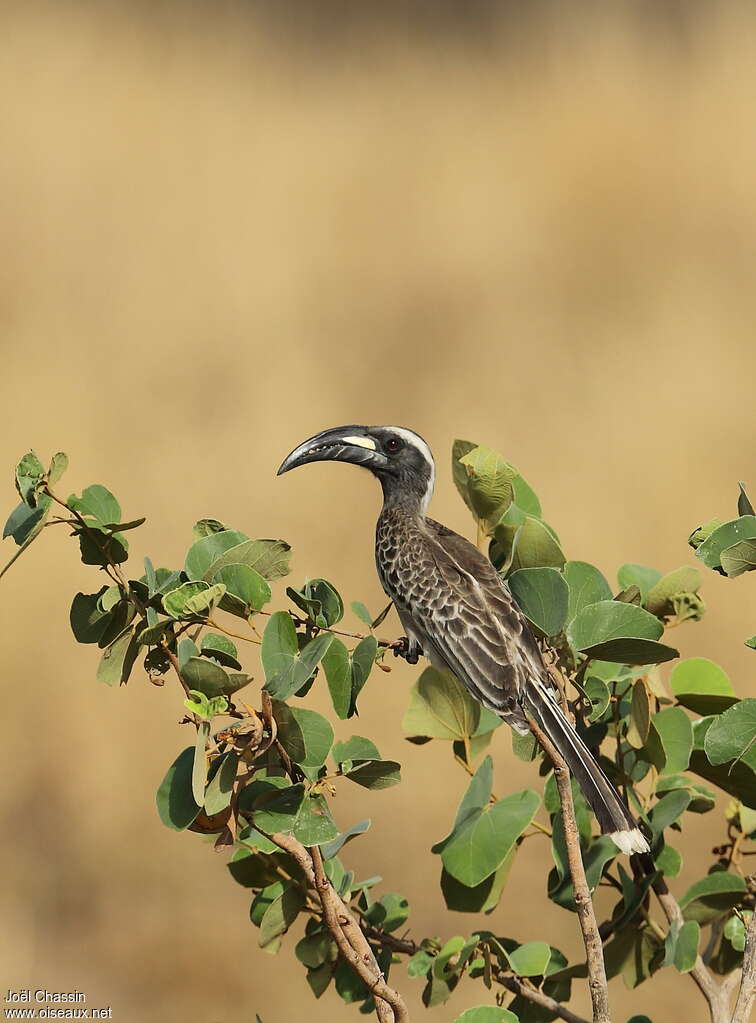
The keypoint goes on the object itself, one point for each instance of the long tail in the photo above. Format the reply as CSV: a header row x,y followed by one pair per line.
x,y
613,816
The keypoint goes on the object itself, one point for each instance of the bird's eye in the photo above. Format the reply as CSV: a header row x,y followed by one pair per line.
x,y
393,444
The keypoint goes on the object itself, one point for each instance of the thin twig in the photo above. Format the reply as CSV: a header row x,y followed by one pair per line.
x,y
532,994
594,951
717,997
747,995
346,932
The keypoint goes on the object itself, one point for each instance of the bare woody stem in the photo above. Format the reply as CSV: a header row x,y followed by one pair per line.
x,y
747,995
594,951
346,931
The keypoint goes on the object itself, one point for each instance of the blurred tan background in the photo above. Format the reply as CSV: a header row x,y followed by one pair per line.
x,y
223,231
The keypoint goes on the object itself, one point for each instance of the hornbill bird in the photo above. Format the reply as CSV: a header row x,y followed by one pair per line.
x,y
457,610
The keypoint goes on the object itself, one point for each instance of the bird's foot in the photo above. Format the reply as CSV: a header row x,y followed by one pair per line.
x,y
403,647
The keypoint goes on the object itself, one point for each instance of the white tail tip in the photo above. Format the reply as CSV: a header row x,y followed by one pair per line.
x,y
630,842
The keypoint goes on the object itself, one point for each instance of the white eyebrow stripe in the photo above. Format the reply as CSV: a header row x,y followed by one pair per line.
x,y
361,442
412,438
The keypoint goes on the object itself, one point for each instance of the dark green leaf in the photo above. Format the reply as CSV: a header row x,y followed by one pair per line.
x,y
298,667
246,590
118,660
221,648
280,915
535,546
330,849
482,898
24,523
478,847
175,802
320,601
668,809
543,596
355,748
744,505
218,794
739,558
613,631
712,897
375,774
338,672
389,912
362,661
441,708
640,715
731,533
305,735
586,586
598,693
88,620
732,736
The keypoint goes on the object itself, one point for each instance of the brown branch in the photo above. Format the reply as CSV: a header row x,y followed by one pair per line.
x,y
346,931
747,995
519,987
717,996
594,951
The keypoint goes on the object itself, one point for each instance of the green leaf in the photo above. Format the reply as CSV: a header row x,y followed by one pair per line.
x,y
270,558
731,533
686,946
199,769
29,475
246,590
296,811
702,686
205,552
702,799
659,599
638,575
615,631
489,482
460,448
535,546
355,748
598,693
586,586
362,661
24,523
209,678
206,527
96,502
58,466
118,660
480,844
482,898
640,715
338,673
279,644
362,613
675,733
330,849
218,794
732,736
99,547
375,774
194,598
735,933
389,912
702,533
298,667
668,861
739,558
486,1014
712,897
175,802
667,810
531,959
441,708
543,597
320,601
280,915
221,648
744,505
88,620
305,735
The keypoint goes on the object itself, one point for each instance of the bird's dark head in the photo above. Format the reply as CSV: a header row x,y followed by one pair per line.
x,y
400,458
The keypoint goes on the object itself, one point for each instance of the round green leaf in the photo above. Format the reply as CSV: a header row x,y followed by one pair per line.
x,y
727,535
732,736
205,552
305,735
586,586
536,546
440,707
175,802
543,596
638,575
531,959
246,590
702,686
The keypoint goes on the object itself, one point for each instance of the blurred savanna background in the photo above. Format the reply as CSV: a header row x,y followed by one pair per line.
x,y
226,226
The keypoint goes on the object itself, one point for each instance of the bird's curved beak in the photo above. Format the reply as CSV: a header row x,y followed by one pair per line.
x,y
342,444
